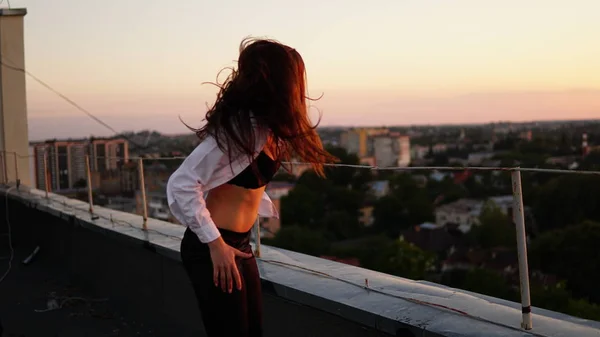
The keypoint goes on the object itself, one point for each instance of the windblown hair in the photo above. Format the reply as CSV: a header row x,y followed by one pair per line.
x,y
266,92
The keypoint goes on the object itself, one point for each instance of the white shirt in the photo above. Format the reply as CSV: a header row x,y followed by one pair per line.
x,y
205,168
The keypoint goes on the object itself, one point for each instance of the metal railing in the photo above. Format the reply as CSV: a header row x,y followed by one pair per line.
x,y
518,206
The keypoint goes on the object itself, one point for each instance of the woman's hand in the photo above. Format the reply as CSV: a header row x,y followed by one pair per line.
x,y
225,270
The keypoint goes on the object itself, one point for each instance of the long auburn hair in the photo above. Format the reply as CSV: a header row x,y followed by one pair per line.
x,y
266,92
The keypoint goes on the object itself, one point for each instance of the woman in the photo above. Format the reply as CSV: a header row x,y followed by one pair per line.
x,y
259,119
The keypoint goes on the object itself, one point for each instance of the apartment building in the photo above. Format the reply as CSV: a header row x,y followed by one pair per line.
x,y
108,154
65,161
465,212
377,146
358,140
391,150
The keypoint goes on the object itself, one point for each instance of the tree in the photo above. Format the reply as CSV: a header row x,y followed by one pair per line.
x,y
591,161
488,282
355,178
331,204
557,297
551,297
571,254
394,257
495,228
300,239
566,200
404,259
446,188
390,216
300,207
406,205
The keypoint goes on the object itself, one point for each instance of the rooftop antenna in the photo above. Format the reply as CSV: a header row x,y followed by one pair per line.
x,y
7,2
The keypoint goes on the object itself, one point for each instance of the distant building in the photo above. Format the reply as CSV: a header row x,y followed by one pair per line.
x,y
156,176
465,213
526,135
504,203
369,161
298,170
564,161
366,217
379,188
419,152
65,161
122,204
384,151
276,190
477,158
391,150
157,206
403,151
377,146
108,154
357,140
458,161
431,237
439,176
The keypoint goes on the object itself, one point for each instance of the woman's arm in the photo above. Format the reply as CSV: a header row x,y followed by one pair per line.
x,y
185,194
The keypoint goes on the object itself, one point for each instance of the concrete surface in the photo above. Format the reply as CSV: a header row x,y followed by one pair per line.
x,y
113,288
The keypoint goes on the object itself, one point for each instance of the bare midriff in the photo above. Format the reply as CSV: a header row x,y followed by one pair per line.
x,y
234,208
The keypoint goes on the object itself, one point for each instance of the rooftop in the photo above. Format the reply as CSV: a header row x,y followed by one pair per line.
x,y
461,206
127,280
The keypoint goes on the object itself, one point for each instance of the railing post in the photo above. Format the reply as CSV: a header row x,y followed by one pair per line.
x,y
17,180
88,173
519,221
46,172
3,160
143,190
257,239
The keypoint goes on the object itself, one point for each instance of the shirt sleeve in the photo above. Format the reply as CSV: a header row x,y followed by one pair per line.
x,y
185,191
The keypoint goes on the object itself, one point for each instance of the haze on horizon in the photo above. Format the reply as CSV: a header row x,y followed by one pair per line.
x,y
139,64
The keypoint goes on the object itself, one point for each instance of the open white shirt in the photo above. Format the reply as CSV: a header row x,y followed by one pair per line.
x,y
205,168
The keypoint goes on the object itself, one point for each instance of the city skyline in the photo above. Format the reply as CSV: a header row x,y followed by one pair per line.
x,y
409,62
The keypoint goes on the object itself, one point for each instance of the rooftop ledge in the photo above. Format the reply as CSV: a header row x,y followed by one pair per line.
x,y
13,11
390,305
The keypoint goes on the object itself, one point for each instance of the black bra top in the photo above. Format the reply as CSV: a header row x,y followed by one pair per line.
x,y
257,174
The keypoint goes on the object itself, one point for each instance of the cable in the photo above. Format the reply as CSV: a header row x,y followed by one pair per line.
x,y
68,100
9,233
387,168
449,168
382,292
110,218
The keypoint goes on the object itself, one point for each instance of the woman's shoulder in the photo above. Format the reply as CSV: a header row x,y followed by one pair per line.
x,y
206,146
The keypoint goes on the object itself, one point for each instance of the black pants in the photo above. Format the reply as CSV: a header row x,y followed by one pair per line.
x,y
235,314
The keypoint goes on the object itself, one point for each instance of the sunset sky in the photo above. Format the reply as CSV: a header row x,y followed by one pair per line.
x,y
139,64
